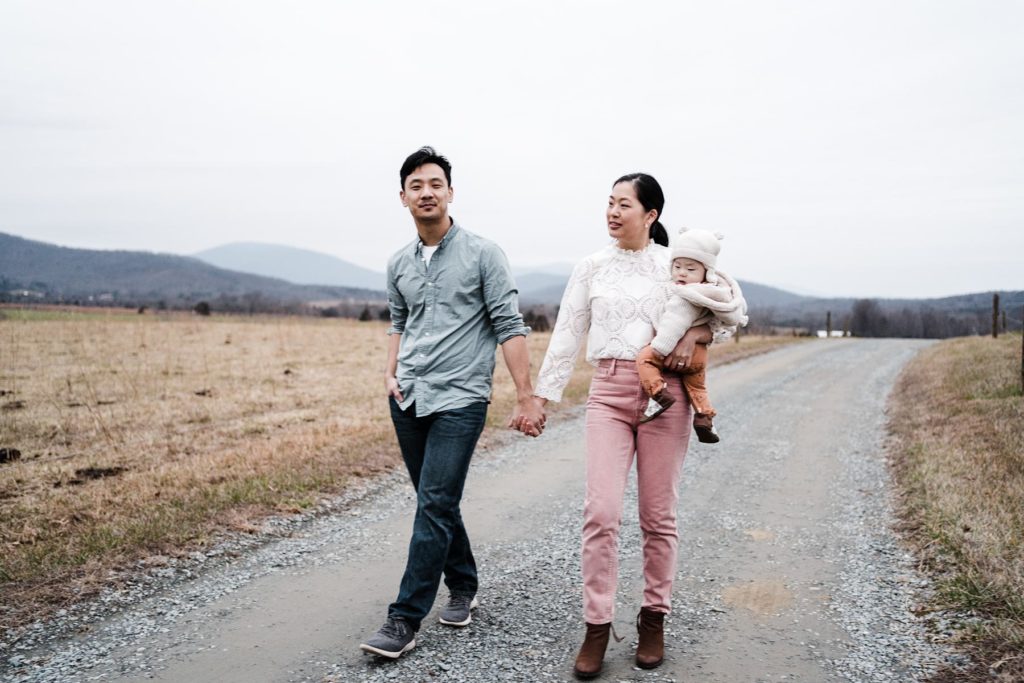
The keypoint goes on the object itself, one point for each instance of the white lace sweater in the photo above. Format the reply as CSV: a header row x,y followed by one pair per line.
x,y
613,300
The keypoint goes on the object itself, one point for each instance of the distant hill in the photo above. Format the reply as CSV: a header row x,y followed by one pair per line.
x,y
543,288
36,271
67,274
300,266
964,314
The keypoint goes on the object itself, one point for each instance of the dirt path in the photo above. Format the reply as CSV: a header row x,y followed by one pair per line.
x,y
788,570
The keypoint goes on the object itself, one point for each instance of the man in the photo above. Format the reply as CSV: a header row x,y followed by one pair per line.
x,y
452,301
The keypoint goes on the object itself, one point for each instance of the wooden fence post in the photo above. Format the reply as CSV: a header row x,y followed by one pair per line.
x,y
995,315
828,325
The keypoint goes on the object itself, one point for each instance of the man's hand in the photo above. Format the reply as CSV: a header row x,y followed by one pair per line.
x,y
681,355
528,416
391,384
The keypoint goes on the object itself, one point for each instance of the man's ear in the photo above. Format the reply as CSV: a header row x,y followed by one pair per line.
x,y
451,194
401,195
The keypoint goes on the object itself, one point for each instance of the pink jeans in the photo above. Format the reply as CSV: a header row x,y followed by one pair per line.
x,y
614,435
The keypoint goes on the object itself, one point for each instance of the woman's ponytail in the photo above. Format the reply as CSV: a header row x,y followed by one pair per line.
x,y
659,234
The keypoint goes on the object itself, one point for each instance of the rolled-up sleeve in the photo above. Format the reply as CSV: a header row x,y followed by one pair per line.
x,y
500,295
396,302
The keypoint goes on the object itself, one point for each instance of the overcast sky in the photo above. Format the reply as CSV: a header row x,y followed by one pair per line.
x,y
843,148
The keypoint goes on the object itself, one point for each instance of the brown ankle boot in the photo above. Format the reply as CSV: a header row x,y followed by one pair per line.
x,y
651,627
591,657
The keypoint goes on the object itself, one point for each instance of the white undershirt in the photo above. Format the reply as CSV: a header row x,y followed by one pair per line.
x,y
428,253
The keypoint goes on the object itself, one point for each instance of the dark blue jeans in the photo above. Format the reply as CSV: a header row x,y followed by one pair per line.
x,y
437,449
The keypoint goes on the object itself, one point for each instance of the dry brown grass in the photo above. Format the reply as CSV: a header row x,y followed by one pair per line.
x,y
958,453
199,424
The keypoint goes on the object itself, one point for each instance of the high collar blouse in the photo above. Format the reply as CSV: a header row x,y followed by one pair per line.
x,y
613,301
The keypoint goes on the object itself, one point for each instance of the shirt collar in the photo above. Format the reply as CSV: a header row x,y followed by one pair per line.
x,y
418,246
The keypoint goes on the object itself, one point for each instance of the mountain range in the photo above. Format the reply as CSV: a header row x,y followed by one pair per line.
x,y
42,271
53,273
300,266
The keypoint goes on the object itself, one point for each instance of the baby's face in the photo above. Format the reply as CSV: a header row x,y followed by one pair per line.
x,y
686,271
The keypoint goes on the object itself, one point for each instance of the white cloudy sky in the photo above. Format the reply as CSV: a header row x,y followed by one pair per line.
x,y
844,148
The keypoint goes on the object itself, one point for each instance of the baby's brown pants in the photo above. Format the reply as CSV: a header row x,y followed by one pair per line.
x,y
649,365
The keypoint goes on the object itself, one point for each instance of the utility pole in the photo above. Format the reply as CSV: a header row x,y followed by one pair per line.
x,y
995,315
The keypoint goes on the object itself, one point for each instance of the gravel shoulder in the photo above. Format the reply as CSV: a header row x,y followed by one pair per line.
x,y
789,569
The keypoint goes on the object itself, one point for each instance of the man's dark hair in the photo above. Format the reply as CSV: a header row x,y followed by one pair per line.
x,y
425,155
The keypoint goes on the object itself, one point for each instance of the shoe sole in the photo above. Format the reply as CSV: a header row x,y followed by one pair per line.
x,y
472,606
655,665
706,436
585,675
385,653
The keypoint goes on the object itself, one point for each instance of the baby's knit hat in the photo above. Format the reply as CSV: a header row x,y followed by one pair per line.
x,y
700,245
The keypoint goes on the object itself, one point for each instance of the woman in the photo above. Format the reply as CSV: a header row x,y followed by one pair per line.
x,y
611,302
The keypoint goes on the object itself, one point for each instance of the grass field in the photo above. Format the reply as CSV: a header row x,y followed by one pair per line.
x,y
145,435
958,420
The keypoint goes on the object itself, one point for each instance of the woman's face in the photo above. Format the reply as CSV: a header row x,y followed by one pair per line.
x,y
628,221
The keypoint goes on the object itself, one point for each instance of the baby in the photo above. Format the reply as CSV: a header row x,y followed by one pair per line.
x,y
698,294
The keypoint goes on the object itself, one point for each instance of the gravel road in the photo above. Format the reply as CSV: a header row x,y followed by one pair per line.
x,y
788,568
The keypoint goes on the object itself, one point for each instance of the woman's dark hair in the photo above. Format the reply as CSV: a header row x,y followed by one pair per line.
x,y
425,155
649,193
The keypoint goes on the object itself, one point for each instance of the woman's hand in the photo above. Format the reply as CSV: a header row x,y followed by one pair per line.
x,y
681,355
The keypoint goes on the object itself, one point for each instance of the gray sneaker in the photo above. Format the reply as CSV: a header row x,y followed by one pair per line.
x,y
457,613
394,639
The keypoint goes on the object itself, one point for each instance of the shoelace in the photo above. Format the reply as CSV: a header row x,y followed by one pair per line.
x,y
460,602
395,628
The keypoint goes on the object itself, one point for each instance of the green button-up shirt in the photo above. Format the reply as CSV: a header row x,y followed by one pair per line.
x,y
451,313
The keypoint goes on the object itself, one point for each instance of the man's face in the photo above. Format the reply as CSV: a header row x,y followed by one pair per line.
x,y
426,193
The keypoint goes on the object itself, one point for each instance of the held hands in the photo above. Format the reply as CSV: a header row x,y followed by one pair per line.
x,y
528,416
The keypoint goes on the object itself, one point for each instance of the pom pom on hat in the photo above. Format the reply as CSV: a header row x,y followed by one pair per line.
x,y
699,245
